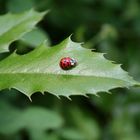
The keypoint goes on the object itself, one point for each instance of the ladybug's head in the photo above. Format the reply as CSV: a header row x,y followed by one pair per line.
x,y
73,62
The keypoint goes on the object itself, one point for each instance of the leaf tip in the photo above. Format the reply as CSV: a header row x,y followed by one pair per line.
x,y
97,95
30,98
69,98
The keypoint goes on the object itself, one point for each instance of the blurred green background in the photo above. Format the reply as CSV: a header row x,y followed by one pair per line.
x,y
109,26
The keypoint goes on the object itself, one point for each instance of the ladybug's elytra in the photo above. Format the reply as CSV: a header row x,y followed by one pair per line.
x,y
67,63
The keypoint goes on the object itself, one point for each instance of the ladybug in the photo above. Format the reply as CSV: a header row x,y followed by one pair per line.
x,y
67,63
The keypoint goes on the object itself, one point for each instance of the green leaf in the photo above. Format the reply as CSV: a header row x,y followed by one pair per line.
x,y
72,134
9,119
35,38
39,70
37,118
33,119
14,26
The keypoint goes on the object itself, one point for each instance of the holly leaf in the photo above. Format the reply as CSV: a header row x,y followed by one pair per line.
x,y
39,71
14,26
35,38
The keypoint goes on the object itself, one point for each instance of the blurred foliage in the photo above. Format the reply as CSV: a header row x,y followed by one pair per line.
x,y
109,26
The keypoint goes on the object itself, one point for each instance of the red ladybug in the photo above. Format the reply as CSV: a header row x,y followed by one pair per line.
x,y
67,63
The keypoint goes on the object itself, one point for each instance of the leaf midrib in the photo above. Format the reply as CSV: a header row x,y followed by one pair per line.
x,y
71,75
